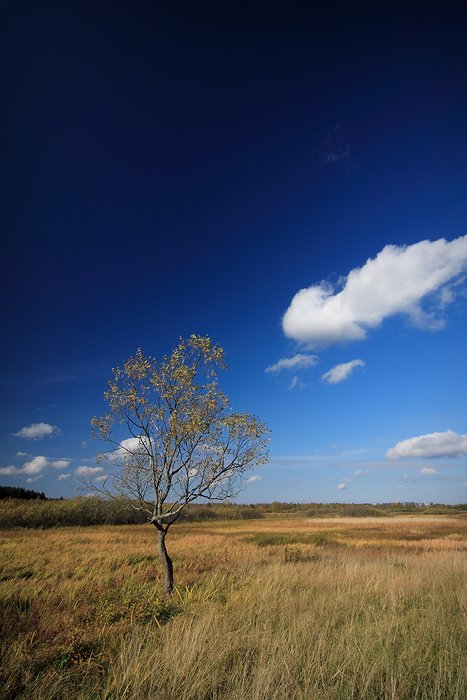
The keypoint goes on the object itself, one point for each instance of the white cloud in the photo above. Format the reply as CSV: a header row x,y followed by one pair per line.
x,y
341,372
127,448
35,466
63,476
294,382
87,471
447,444
101,478
60,464
7,471
36,431
295,363
253,480
23,454
428,471
359,473
342,485
395,282
33,478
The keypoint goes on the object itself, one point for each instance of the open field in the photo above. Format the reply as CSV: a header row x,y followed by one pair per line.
x,y
273,608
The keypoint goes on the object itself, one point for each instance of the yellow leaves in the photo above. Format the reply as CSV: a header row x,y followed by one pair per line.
x,y
177,404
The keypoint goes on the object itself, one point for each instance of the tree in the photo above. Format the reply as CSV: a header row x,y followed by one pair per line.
x,y
182,440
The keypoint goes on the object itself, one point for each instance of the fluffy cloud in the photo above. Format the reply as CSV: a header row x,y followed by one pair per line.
x,y
341,372
342,485
88,471
60,464
253,480
296,362
7,471
34,466
395,282
63,476
127,448
36,431
447,444
428,471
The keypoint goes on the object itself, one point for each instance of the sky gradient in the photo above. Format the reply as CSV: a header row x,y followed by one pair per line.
x,y
291,184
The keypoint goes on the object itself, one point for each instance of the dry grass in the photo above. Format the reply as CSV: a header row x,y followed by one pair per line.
x,y
281,608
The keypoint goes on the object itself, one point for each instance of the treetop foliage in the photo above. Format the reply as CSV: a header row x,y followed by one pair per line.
x,y
185,441
19,492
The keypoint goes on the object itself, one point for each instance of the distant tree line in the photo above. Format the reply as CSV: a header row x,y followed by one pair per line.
x,y
18,492
38,512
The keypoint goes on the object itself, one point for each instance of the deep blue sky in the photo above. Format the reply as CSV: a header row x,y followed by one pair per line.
x,y
172,169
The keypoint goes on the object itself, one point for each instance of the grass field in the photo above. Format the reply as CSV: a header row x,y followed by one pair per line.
x,y
275,608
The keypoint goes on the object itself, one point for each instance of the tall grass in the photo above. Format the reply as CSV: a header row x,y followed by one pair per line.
x,y
331,610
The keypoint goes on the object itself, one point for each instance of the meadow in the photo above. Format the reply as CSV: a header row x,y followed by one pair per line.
x,y
272,608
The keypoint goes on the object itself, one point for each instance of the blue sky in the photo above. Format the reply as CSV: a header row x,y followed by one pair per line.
x,y
174,173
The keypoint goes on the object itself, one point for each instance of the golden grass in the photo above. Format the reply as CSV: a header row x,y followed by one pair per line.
x,y
281,608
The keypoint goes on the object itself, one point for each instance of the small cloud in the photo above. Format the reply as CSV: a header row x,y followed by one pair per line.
x,y
431,445
359,472
23,454
293,382
336,156
253,480
36,465
101,478
342,485
36,431
341,372
84,443
60,464
61,477
8,471
295,363
33,478
335,147
428,471
127,449
87,471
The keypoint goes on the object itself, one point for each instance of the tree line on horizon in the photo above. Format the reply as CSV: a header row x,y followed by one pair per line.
x,y
17,510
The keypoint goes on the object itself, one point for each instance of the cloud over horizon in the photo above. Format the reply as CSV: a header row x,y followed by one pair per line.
x,y
34,466
253,479
431,445
36,431
341,372
396,281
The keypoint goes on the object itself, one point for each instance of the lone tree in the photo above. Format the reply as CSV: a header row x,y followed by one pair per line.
x,y
182,441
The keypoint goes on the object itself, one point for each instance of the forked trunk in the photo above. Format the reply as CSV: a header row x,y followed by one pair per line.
x,y
167,563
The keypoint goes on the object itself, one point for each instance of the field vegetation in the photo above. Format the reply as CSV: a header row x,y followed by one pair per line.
x,y
44,513
274,607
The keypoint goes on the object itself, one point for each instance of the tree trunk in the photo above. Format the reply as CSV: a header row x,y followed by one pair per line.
x,y
167,562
